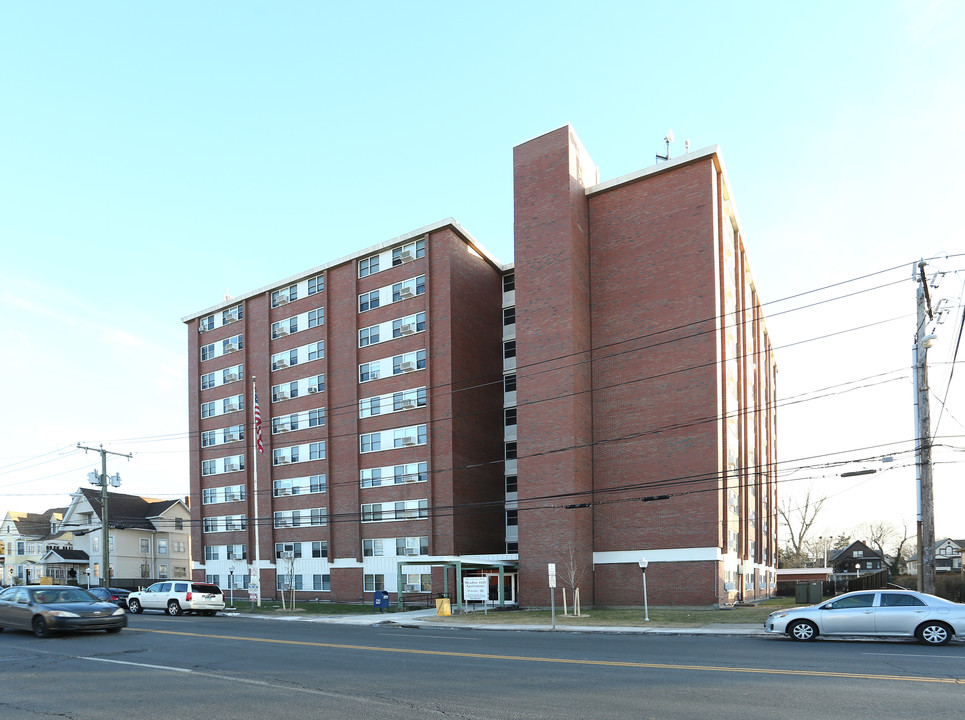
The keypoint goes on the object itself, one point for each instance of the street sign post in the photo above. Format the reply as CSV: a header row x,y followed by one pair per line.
x,y
551,570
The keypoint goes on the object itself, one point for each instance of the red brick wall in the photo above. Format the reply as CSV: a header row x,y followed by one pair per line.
x,y
553,342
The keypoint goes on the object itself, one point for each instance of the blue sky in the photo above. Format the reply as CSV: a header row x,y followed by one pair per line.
x,y
153,157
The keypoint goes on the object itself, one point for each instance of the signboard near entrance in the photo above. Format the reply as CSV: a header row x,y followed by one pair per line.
x,y
475,589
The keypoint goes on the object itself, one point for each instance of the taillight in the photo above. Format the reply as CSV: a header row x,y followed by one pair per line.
x,y
188,598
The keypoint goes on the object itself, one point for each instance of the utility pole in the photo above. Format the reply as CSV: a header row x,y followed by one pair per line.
x,y
923,465
102,479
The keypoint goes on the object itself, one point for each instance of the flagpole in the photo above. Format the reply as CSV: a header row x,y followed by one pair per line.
x,y
259,448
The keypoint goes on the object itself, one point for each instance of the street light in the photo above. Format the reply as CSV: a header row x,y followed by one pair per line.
x,y
88,578
642,562
231,586
857,569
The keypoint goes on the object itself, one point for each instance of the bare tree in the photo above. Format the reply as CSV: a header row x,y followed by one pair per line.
x,y
798,518
572,571
888,540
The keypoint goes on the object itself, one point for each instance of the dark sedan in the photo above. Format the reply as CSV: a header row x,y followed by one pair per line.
x,y
45,609
118,596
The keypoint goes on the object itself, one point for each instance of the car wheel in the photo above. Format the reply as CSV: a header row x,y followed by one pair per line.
x,y
40,628
174,608
134,606
803,630
933,633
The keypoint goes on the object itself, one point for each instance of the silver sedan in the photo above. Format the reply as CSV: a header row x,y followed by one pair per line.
x,y
881,613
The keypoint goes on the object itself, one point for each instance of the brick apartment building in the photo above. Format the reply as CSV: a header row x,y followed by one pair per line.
x,y
430,412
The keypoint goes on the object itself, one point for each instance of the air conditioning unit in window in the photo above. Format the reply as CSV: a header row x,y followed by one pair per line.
x,y
411,551
283,426
230,407
230,347
281,330
407,329
406,256
413,587
281,363
230,467
283,460
407,366
232,497
283,522
283,491
230,437
282,299
407,404
281,395
231,317
410,478
374,374
406,292
408,441
230,377
312,389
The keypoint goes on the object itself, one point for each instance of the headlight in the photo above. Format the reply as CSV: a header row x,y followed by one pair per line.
x,y
119,611
62,613
776,615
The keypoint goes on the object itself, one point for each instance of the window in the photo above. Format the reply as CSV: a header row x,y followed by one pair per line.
x,y
230,345
408,325
409,252
301,518
236,552
233,404
285,423
320,549
509,316
370,442
858,553
369,371
284,327
282,297
288,582
374,583
509,349
144,545
178,546
232,374
316,351
162,546
409,288
224,523
405,437
211,552
316,285
511,451
206,323
373,548
509,417
368,336
294,548
284,359
409,399
412,546
403,510
316,384
509,282
370,406
368,266
299,485
162,572
316,451
316,318
207,381
232,314
511,484
207,352
368,301
285,391
321,582
209,467
512,518
316,418
409,362
509,383
415,582
208,438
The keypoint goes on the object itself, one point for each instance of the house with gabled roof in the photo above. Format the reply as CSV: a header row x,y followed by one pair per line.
x,y
25,538
148,538
948,557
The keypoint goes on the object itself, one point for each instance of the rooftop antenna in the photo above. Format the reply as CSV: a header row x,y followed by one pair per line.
x,y
686,146
668,138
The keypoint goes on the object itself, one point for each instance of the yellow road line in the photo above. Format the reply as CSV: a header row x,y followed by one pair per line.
x,y
567,661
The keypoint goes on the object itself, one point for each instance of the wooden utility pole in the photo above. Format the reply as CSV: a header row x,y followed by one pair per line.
x,y
105,538
923,466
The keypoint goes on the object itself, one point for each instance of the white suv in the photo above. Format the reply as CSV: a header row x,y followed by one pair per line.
x,y
177,597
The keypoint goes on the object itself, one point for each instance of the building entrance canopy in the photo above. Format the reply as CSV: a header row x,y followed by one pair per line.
x,y
459,565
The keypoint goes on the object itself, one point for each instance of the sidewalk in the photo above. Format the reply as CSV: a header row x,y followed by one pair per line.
x,y
422,618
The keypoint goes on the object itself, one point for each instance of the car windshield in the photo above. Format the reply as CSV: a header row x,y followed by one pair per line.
x,y
68,595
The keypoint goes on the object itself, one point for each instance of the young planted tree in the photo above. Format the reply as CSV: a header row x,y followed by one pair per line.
x,y
572,572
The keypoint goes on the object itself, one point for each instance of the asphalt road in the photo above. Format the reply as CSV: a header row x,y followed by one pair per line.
x,y
239,668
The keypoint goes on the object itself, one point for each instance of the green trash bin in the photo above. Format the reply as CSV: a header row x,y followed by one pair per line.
x,y
808,593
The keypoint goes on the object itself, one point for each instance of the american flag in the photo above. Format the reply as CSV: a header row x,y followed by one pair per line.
x,y
261,445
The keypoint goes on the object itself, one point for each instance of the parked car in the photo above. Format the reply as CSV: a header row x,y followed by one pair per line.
x,y
899,613
177,597
49,608
118,596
